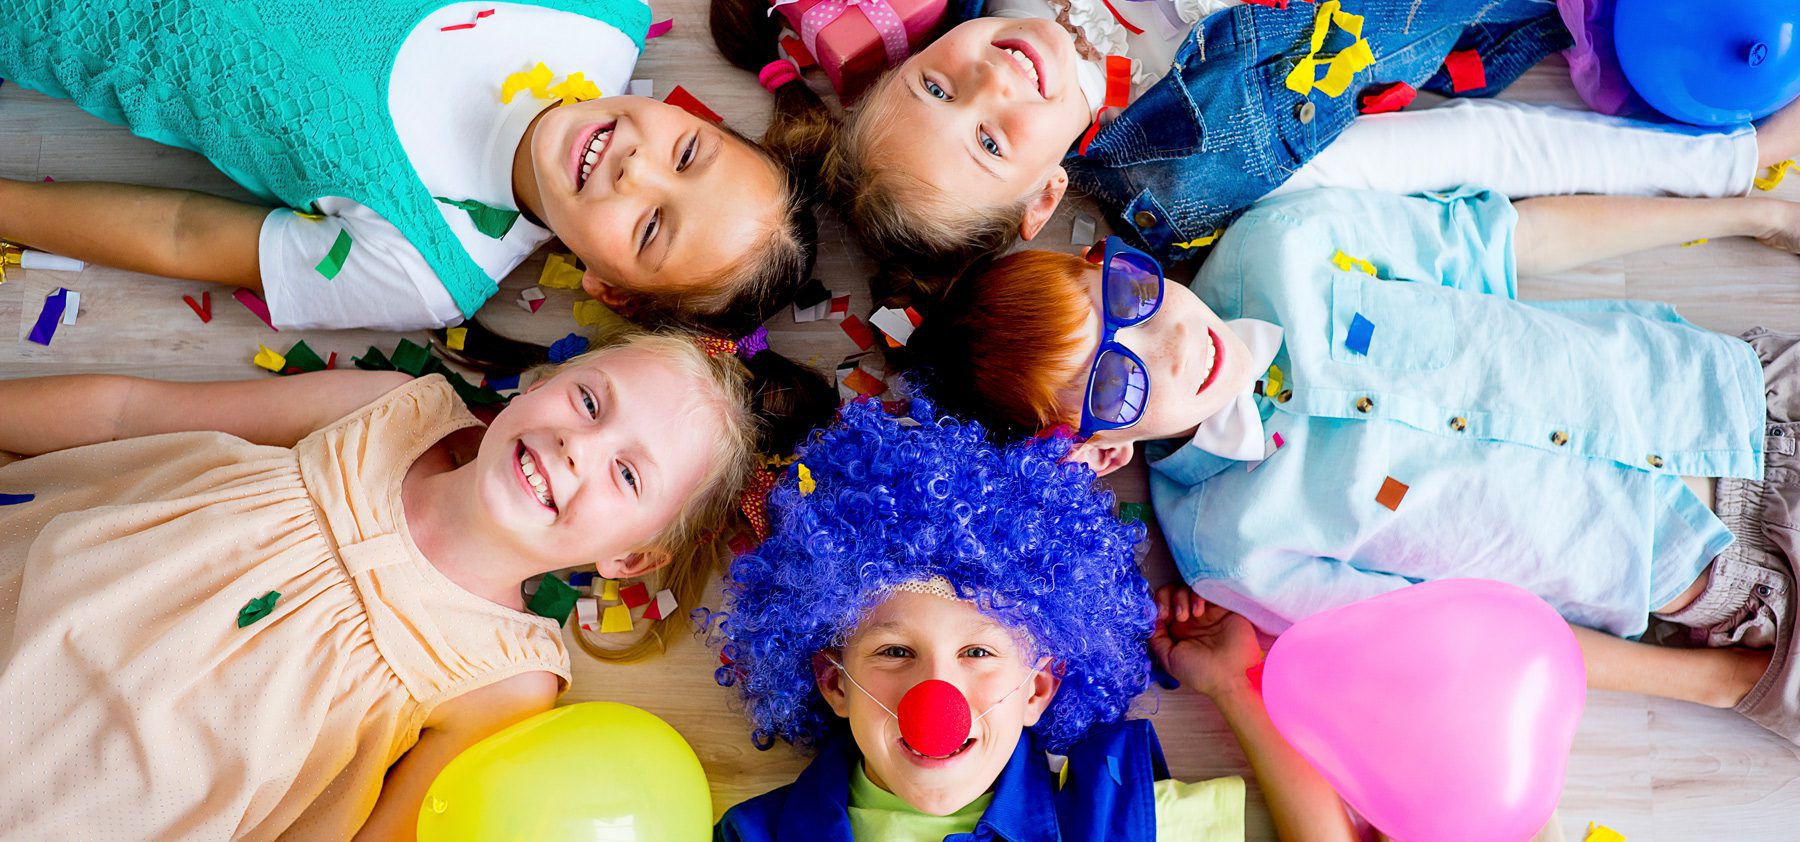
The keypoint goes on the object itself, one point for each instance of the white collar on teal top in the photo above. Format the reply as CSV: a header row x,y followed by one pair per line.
x,y
1236,432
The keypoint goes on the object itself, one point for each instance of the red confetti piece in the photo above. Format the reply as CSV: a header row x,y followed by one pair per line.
x,y
659,29
49,180
864,383
635,595
478,16
1273,4
685,101
1392,492
1467,73
740,545
1135,30
255,305
203,310
796,50
1389,98
1279,441
858,332
331,363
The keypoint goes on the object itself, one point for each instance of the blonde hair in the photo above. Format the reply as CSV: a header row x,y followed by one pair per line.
x,y
921,234
691,538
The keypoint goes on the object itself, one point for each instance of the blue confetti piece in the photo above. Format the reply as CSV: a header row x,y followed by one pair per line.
x,y
50,317
581,579
1360,331
568,347
1163,678
16,499
501,384
1112,768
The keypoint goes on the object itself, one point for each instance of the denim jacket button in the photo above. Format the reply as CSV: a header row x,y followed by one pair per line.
x,y
1559,438
1305,111
1144,219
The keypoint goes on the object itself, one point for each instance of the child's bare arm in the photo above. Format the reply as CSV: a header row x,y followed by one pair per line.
x,y
156,230
1562,232
1210,649
43,414
456,725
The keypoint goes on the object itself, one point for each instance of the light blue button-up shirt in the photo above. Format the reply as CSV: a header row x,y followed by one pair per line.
x,y
1541,443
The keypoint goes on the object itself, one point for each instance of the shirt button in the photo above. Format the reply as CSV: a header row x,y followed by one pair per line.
x,y
1459,423
1655,461
1285,396
1559,438
1364,404
1304,113
1144,219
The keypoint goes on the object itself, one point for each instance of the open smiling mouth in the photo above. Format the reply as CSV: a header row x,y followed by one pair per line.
x,y
1026,59
591,152
917,753
533,478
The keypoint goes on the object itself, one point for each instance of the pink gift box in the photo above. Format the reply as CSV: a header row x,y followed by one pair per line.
x,y
850,48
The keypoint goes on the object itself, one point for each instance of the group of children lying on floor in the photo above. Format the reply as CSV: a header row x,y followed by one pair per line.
x,y
324,596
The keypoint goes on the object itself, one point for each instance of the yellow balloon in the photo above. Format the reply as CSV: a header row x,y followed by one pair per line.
x,y
592,772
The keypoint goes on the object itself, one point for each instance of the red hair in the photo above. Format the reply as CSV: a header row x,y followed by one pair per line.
x,y
997,349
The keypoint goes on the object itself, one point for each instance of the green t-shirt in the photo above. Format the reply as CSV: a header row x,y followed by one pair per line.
x,y
1204,811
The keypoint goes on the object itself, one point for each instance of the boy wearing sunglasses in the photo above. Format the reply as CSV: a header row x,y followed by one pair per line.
x,y
1351,399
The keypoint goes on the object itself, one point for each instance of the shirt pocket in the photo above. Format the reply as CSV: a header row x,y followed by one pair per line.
x,y
1397,325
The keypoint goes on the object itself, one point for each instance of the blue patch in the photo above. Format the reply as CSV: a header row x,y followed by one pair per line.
x,y
16,499
1360,331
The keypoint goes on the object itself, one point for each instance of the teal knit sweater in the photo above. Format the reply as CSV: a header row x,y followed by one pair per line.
x,y
288,99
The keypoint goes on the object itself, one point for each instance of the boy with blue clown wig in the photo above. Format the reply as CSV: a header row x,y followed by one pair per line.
x,y
936,616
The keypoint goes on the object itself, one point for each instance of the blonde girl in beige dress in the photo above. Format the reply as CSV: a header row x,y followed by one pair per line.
x,y
395,531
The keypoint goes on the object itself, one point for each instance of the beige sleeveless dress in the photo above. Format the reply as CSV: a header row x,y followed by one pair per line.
x,y
132,706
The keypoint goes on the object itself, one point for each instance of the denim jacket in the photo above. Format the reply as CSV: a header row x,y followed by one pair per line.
x,y
1222,129
1109,794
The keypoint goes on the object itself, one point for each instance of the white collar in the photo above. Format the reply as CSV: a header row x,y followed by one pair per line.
x,y
1236,432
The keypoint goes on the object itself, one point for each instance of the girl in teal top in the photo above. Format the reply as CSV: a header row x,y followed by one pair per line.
x,y
419,150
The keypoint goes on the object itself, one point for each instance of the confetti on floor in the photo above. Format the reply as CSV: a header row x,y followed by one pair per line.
x,y
1361,329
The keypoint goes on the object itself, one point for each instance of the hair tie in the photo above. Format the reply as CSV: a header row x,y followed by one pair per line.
x,y
754,502
715,345
777,73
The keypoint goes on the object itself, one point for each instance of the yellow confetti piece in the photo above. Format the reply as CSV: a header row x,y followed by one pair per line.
x,y
575,88
1602,833
1776,174
316,217
1692,243
1346,263
1339,69
1199,242
537,80
455,337
615,619
560,272
1274,381
609,591
270,360
807,485
590,313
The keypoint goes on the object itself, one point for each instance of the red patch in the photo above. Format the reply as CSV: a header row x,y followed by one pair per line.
x,y
685,101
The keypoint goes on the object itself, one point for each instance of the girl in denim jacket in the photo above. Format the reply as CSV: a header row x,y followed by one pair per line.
x,y
971,144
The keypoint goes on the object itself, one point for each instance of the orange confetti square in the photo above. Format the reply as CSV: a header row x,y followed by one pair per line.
x,y
1392,492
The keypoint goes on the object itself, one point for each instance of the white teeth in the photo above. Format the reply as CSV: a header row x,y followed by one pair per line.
x,y
528,466
1024,63
595,146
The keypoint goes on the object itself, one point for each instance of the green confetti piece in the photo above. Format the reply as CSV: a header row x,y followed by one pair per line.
x,y
373,360
257,608
412,358
334,259
470,393
1137,513
554,599
302,358
489,220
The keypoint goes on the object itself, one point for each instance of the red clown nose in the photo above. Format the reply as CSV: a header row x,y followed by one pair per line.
x,y
934,718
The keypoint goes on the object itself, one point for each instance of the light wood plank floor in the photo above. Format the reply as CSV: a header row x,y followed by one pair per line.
x,y
1657,771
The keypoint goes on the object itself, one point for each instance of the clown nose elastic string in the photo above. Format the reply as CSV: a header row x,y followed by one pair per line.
x,y
934,716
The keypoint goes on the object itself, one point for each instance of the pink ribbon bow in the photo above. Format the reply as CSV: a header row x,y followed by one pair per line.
x,y
880,14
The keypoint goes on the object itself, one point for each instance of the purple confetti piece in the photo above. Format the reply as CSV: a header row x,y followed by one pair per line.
x,y
50,318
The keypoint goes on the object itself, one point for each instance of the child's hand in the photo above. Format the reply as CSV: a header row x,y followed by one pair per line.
x,y
1205,646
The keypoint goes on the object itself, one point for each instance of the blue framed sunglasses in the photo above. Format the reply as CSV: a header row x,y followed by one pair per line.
x,y
1131,291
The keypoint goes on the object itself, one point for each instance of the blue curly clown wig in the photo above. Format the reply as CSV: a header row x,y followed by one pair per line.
x,y
1030,539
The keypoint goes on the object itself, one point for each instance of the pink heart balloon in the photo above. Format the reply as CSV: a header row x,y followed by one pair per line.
x,y
1444,710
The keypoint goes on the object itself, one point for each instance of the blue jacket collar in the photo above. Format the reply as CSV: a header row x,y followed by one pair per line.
x,y
817,806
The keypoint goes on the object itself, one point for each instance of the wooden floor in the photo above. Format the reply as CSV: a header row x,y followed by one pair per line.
x,y
1653,770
